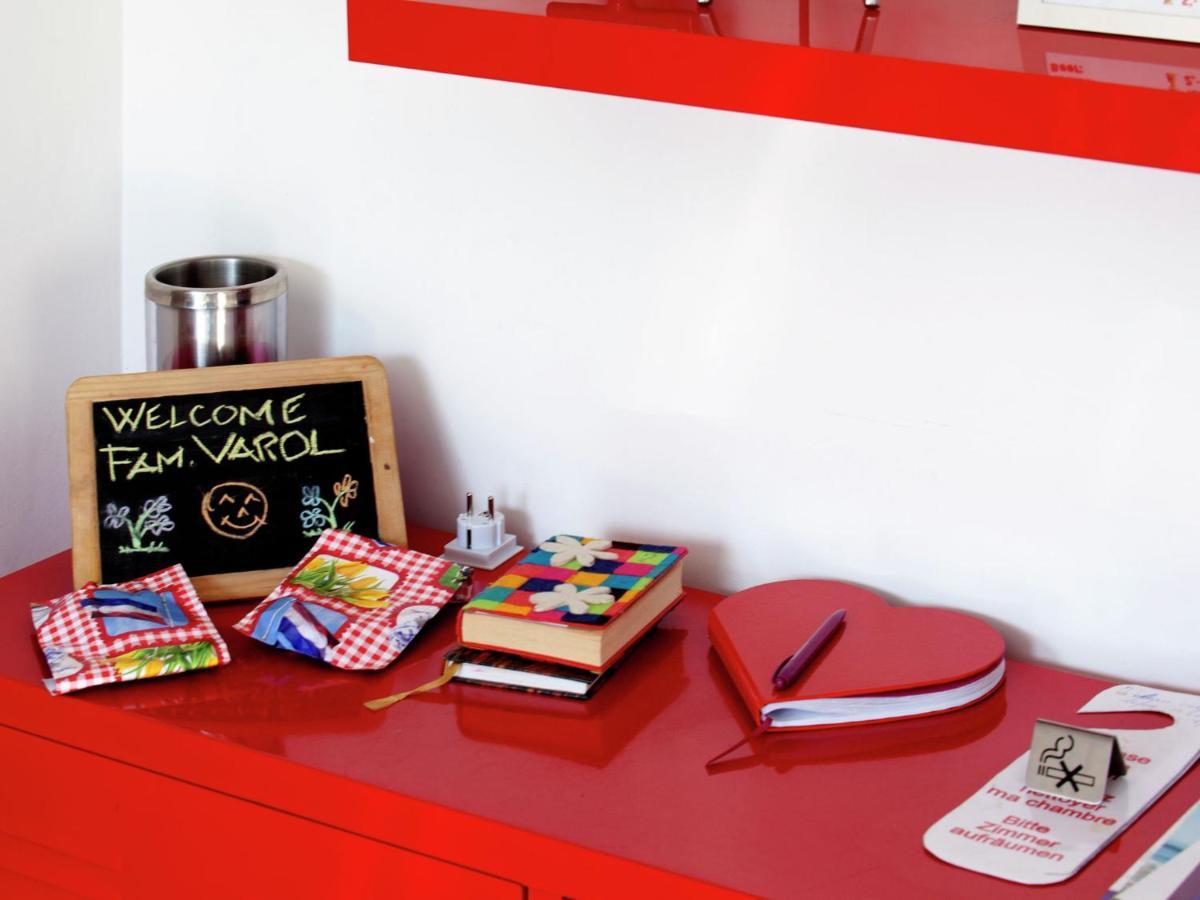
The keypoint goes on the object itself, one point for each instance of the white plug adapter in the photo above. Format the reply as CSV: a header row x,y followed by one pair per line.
x,y
481,541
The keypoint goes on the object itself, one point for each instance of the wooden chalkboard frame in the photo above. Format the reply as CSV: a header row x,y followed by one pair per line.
x,y
81,450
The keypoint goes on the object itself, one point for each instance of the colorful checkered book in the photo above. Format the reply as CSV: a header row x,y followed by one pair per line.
x,y
353,602
578,601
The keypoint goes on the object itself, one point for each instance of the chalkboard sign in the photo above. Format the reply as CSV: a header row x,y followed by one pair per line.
x,y
231,471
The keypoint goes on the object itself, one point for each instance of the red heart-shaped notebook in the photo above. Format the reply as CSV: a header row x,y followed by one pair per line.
x,y
884,662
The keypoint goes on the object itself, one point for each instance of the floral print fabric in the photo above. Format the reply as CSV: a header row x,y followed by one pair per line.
x,y
353,602
102,634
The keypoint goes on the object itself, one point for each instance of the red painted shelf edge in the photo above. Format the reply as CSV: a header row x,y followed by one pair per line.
x,y
1017,110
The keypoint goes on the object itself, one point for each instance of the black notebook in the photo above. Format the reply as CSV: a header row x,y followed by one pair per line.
x,y
518,673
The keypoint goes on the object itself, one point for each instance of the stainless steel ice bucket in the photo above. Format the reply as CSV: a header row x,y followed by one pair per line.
x,y
215,311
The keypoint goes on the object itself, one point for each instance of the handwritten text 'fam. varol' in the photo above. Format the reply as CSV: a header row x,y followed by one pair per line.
x,y
276,437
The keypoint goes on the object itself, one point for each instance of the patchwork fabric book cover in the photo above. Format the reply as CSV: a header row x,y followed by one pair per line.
x,y
579,581
144,628
353,602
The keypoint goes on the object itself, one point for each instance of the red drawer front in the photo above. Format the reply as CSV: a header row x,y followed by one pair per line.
x,y
71,821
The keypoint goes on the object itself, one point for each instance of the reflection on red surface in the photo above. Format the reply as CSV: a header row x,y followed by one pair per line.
x,y
290,695
948,69
592,732
677,15
979,33
1159,65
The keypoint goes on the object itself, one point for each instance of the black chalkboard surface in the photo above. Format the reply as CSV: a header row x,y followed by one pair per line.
x,y
230,471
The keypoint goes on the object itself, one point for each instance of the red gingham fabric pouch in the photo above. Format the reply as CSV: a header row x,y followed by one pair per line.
x,y
353,602
144,628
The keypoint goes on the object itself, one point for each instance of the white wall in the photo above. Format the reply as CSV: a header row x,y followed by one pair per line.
x,y
965,376
60,220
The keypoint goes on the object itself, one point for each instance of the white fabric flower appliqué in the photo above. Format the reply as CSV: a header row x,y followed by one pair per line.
x,y
566,548
574,600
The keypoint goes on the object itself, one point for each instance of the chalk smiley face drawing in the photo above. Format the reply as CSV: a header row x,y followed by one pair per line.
x,y
234,509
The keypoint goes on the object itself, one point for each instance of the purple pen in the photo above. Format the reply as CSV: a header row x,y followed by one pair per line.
x,y
789,670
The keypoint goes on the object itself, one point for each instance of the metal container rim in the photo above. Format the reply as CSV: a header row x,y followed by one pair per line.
x,y
249,293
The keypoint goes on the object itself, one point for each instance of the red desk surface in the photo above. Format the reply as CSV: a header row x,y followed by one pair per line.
x,y
571,798
955,69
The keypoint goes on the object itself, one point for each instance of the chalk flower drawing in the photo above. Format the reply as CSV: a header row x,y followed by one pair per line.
x,y
115,516
566,548
576,601
345,491
152,519
320,513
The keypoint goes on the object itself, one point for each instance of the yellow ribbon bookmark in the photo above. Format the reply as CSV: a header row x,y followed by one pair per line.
x,y
385,702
